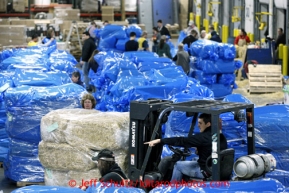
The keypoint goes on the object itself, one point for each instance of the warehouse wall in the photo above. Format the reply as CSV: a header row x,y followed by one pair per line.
x,y
145,14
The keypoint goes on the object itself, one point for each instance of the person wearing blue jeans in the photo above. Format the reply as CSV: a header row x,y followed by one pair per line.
x,y
87,50
201,141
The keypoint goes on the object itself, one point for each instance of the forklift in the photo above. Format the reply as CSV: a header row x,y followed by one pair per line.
x,y
147,118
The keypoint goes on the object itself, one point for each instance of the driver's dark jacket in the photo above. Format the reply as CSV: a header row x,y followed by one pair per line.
x,y
203,142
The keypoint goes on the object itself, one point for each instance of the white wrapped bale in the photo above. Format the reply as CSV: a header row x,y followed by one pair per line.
x,y
86,129
63,157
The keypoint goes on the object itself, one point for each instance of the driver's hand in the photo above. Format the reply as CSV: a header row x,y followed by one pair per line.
x,y
153,142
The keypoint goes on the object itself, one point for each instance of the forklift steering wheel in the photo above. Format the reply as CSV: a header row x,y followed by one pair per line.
x,y
178,151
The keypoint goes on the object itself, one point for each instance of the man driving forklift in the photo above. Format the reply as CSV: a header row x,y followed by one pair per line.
x,y
203,143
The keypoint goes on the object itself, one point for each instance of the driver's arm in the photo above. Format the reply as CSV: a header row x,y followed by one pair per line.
x,y
192,141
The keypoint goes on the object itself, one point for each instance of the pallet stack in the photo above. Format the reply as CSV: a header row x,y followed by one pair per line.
x,y
265,78
13,35
19,5
75,48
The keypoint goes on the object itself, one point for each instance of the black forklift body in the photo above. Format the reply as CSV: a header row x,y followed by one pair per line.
x,y
147,117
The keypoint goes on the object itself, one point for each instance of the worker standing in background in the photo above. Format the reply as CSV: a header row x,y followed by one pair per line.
x,y
162,29
49,38
191,38
155,39
214,35
87,50
182,59
143,43
131,44
281,39
191,27
163,49
242,39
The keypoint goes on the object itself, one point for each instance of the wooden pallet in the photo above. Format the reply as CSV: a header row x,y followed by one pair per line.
x,y
265,78
21,184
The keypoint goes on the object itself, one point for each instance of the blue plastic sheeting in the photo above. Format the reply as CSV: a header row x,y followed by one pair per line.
x,y
30,60
134,28
38,78
271,127
109,30
107,43
220,90
25,67
211,50
48,189
3,153
139,54
226,79
263,185
236,98
216,67
22,148
120,45
182,36
25,51
282,159
3,134
6,54
61,65
106,187
63,55
204,78
23,169
27,105
280,175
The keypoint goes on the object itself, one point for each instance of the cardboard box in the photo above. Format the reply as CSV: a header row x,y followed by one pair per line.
x,y
4,22
3,5
142,26
10,42
19,6
15,31
107,10
107,17
67,14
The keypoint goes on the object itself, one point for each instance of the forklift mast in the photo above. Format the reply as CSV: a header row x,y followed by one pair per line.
x,y
143,118
147,117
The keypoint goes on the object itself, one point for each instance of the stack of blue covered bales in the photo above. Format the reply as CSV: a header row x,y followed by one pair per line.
x,y
214,66
40,83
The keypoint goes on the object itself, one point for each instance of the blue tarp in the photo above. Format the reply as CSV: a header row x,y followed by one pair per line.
x,y
48,189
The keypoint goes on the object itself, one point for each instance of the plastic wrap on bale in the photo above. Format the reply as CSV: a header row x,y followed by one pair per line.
x,y
61,126
56,189
220,90
236,98
271,127
120,45
134,28
26,105
31,60
39,78
107,43
22,148
262,185
204,78
139,54
226,79
63,55
282,159
216,67
23,169
109,30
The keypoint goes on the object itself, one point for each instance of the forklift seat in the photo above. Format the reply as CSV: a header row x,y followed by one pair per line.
x,y
226,164
153,177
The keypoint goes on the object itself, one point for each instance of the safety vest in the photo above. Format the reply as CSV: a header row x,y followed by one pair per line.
x,y
32,43
140,42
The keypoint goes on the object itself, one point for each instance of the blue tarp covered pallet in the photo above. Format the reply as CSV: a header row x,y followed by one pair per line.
x,y
40,83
